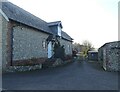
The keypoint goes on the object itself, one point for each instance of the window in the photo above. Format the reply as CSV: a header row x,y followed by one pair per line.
x,y
44,44
68,48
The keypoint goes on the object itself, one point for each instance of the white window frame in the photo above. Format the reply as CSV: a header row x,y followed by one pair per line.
x,y
44,44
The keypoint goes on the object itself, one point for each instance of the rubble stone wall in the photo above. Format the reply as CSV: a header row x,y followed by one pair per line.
x,y
28,43
109,56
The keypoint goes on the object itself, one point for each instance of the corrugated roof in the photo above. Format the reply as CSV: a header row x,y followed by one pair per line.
x,y
16,13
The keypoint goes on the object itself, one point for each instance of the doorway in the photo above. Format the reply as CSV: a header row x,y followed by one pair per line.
x,y
50,49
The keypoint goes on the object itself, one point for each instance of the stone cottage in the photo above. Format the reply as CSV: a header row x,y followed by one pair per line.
x,y
25,36
109,56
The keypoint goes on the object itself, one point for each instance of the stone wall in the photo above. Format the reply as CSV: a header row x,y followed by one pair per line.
x,y
0,42
67,46
23,68
109,56
28,43
22,43
100,54
3,41
48,64
29,62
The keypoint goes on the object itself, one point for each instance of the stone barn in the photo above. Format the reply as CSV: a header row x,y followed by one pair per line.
x,y
24,37
109,56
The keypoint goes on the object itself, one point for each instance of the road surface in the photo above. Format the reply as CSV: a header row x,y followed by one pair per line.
x,y
74,76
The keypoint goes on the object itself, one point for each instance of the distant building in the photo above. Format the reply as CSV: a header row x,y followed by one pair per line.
x,y
79,48
109,56
93,55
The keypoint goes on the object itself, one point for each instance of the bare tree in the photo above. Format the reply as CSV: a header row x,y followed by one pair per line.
x,y
87,47
83,48
76,47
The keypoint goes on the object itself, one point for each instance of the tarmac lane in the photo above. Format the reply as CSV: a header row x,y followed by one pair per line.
x,y
73,76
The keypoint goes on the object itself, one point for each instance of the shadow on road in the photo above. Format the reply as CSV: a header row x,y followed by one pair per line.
x,y
95,65
92,64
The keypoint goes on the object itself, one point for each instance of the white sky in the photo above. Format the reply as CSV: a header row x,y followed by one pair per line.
x,y
93,20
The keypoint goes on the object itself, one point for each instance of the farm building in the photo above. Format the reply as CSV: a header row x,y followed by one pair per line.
x,y
109,56
25,36
93,55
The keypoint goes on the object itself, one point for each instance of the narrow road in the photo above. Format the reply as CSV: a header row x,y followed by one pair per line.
x,y
74,76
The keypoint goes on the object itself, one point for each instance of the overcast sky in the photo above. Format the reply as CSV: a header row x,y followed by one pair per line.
x,y
93,20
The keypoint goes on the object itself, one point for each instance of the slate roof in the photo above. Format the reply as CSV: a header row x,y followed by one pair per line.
x,y
110,43
66,36
16,13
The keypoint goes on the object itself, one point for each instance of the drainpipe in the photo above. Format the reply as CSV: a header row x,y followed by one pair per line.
x,y
11,46
11,63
